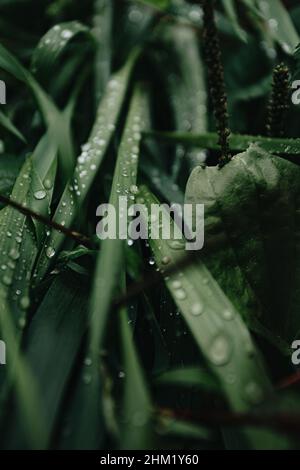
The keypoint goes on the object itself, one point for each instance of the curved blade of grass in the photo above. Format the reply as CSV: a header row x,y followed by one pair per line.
x,y
8,125
189,377
230,9
109,264
88,163
54,43
26,391
54,119
237,142
102,31
60,323
281,27
136,429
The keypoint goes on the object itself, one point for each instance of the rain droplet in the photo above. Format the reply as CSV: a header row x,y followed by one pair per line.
x,y
166,260
87,379
228,314
48,184
176,284
134,189
176,244
88,361
66,34
50,252
24,303
197,309
220,350
254,393
14,254
39,195
180,294
7,280
22,322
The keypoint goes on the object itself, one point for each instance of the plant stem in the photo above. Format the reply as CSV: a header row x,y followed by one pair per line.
x,y
216,83
279,101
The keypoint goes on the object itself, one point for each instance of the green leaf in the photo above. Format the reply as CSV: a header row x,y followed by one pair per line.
x,y
54,119
230,9
159,4
88,163
189,377
137,429
251,213
8,125
54,43
237,142
280,25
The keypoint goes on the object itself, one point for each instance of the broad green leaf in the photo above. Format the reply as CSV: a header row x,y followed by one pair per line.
x,y
251,211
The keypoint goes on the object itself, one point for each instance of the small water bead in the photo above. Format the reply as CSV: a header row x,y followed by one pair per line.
x,y
9,234
7,280
87,379
180,294
176,244
228,314
66,34
134,189
176,284
254,394
25,302
151,261
88,361
18,239
93,167
220,350
130,242
50,252
48,184
121,375
166,260
3,267
197,309
14,254
22,322
40,195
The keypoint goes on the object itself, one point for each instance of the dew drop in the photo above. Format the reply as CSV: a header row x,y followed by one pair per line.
x,y
22,322
24,303
166,260
66,34
180,294
176,284
197,309
14,254
254,393
7,280
48,184
50,252
87,379
40,195
220,350
228,314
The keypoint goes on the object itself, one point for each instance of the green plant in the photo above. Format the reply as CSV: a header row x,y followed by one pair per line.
x,y
119,345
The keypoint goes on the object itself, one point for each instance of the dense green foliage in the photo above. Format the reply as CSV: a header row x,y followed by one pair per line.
x,y
120,345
